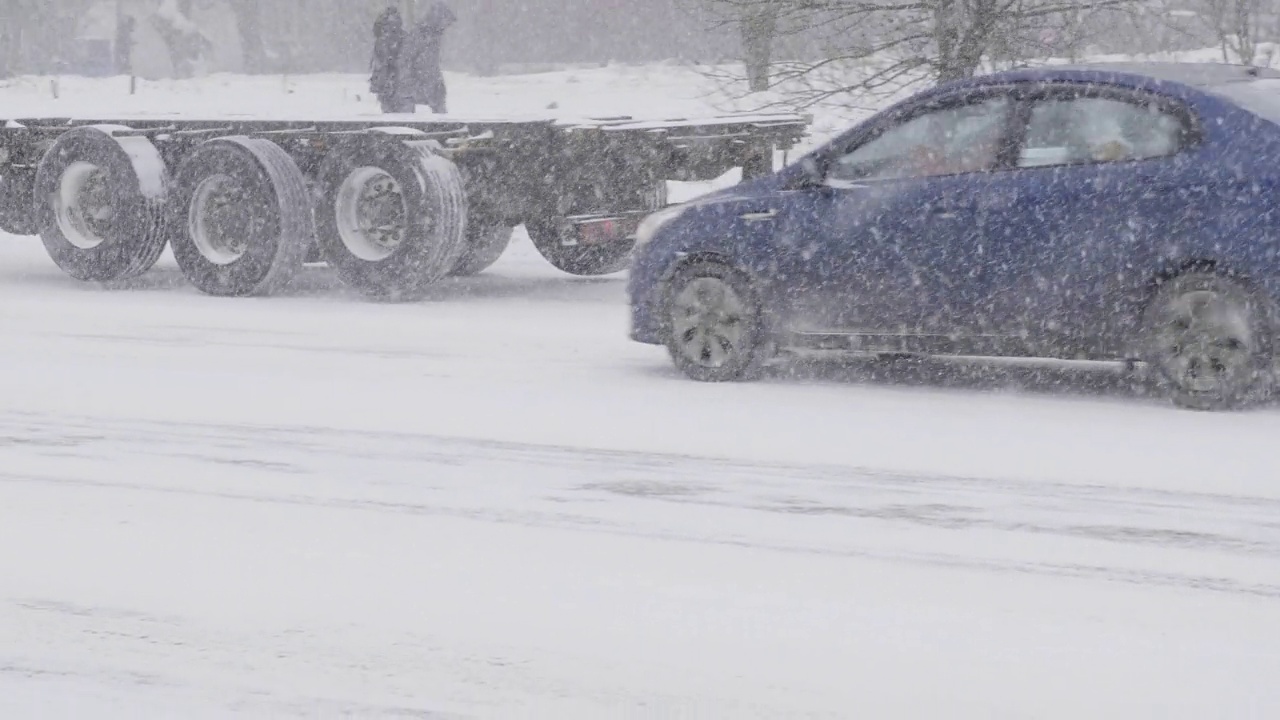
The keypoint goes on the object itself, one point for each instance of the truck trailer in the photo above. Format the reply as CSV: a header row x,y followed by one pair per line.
x,y
393,204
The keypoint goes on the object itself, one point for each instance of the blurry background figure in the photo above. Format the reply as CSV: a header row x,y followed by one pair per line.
x,y
384,81
421,80
123,49
187,43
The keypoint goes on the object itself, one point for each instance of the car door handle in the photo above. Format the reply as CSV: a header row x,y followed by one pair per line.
x,y
955,210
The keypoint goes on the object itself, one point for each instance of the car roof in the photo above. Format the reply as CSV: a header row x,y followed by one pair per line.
x,y
1203,76
1255,89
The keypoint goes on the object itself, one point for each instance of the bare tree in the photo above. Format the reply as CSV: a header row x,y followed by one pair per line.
x,y
248,16
859,47
1238,26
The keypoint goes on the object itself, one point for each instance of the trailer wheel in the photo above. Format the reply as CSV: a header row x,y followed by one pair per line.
x,y
577,259
392,215
17,202
243,217
484,245
592,195
100,203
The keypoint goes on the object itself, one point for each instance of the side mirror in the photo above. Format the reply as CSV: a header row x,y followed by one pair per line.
x,y
813,172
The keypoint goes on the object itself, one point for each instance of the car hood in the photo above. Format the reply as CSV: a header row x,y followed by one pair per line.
x,y
758,192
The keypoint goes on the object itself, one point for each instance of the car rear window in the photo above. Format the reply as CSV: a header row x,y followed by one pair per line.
x,y
1260,96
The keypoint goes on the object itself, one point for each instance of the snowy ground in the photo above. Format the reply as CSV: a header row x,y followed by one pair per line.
x,y
491,504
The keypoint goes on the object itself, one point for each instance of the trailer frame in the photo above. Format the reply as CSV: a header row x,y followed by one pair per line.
x,y
580,186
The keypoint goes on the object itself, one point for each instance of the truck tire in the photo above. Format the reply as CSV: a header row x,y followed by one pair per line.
x,y
484,245
584,260
101,203
17,202
392,215
588,260
242,217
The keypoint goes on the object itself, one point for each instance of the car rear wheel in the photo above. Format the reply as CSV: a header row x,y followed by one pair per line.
x,y
715,332
1208,337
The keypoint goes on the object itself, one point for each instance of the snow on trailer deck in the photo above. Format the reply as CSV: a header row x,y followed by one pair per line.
x,y
613,123
491,504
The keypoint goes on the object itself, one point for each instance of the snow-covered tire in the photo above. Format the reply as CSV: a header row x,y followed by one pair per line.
x,y
714,327
242,217
17,202
485,244
100,203
1210,340
392,215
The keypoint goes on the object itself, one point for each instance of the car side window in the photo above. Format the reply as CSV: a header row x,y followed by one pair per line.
x,y
965,138
1074,130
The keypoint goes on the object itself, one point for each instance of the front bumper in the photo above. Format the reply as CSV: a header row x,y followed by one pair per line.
x,y
644,291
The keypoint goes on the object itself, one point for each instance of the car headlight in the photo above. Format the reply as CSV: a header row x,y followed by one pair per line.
x,y
656,221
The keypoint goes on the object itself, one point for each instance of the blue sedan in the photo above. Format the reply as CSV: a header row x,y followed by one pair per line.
x,y
1100,212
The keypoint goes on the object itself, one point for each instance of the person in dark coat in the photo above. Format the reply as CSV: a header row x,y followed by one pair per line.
x,y
384,80
422,81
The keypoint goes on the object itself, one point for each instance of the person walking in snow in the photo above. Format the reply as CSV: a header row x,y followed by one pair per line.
x,y
384,78
421,79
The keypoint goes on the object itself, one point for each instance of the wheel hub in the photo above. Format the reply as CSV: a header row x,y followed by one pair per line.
x,y
707,322
83,206
371,214
222,219
1206,342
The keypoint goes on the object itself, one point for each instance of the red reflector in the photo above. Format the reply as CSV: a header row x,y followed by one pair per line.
x,y
598,232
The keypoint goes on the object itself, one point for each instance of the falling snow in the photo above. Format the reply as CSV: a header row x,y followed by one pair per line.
x,y
491,503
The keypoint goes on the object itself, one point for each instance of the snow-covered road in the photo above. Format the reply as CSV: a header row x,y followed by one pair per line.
x,y
491,504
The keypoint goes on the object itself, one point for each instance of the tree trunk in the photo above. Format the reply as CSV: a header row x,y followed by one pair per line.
x,y
759,26
963,33
249,25
1246,40
10,50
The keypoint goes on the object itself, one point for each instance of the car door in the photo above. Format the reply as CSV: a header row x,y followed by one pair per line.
x,y
875,238
1100,171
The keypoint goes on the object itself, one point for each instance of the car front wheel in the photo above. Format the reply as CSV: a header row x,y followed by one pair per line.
x,y
1208,339
715,333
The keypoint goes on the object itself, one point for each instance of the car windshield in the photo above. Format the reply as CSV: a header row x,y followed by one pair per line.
x,y
1260,96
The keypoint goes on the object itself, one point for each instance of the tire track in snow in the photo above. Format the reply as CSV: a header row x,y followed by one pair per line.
x,y
1200,540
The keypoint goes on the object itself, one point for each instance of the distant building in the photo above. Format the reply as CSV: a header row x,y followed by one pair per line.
x,y
151,54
